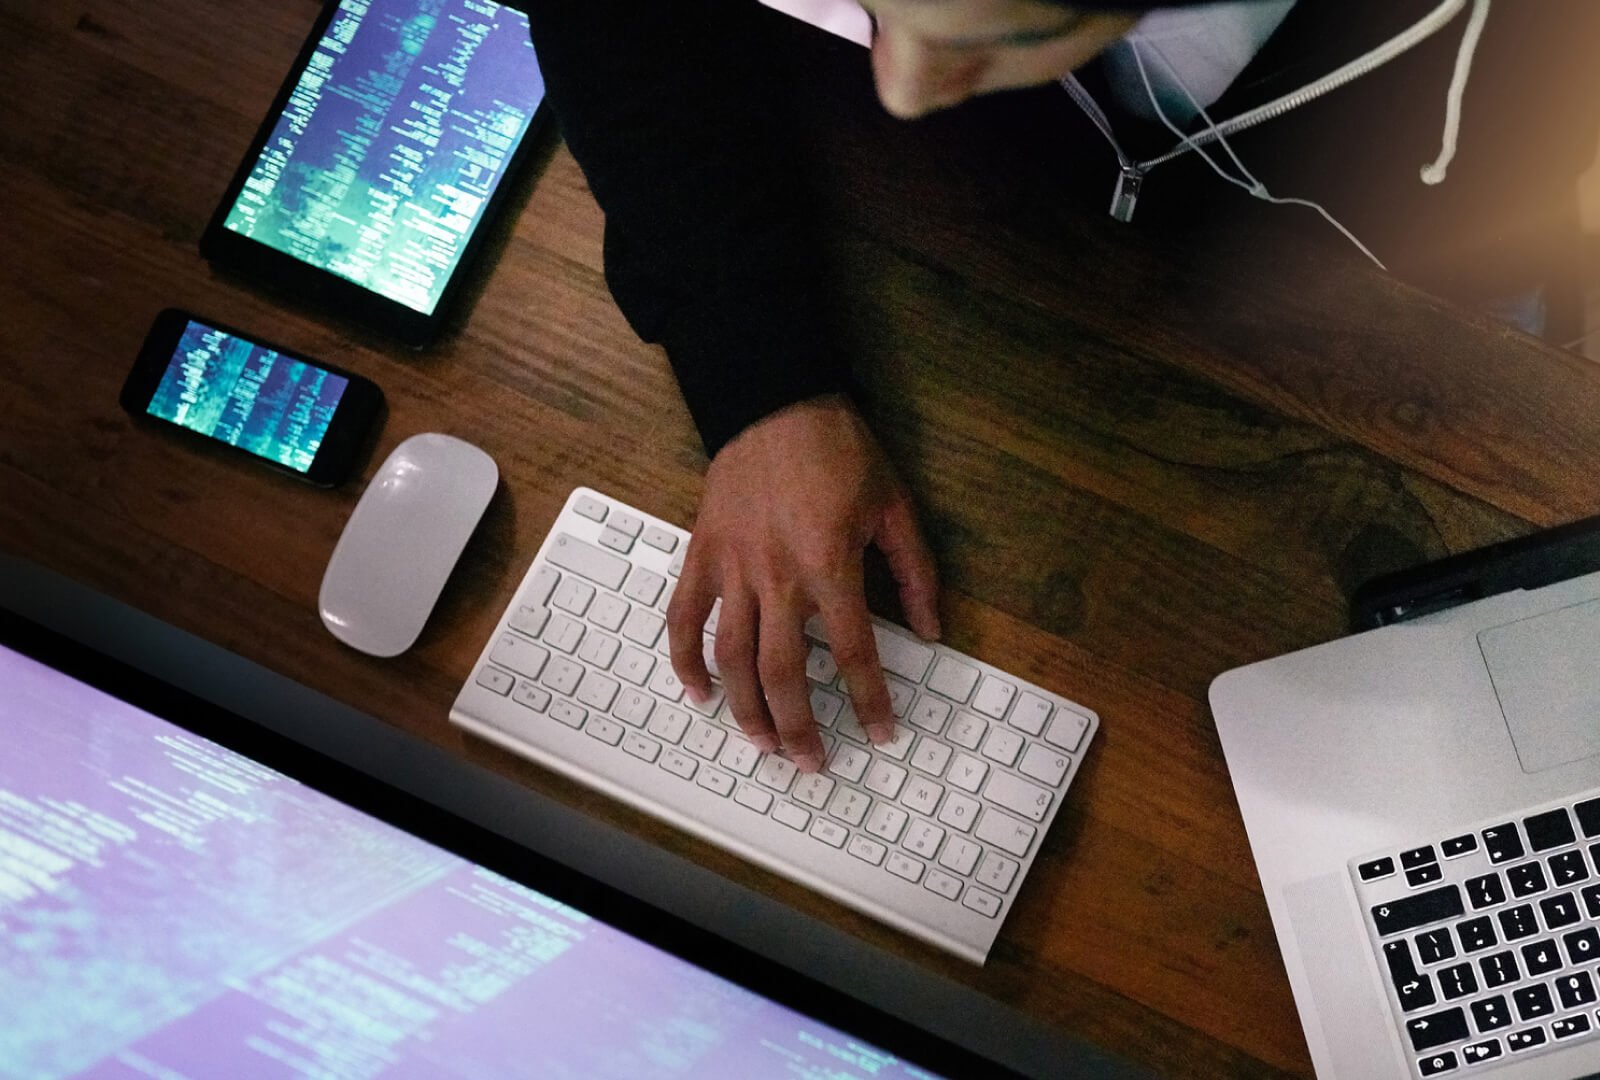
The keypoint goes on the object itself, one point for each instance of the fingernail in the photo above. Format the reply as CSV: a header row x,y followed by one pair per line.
x,y
697,695
809,761
765,743
880,733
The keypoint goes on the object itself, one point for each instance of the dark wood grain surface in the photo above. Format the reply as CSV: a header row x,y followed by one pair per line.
x,y
1143,459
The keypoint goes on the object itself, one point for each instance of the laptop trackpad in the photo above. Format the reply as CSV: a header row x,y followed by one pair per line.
x,y
1545,673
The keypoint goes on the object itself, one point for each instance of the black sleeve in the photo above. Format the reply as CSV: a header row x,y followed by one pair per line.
x,y
675,111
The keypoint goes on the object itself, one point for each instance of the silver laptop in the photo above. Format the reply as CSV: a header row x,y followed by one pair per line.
x,y
1423,803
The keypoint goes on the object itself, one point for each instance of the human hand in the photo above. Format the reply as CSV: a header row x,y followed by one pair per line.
x,y
789,507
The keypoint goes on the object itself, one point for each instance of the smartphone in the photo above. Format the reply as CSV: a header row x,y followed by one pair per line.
x,y
286,411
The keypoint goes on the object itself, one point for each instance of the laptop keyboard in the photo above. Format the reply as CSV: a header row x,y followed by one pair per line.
x,y
933,832
1490,937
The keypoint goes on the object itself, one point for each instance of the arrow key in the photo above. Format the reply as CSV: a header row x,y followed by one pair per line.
x,y
1437,1029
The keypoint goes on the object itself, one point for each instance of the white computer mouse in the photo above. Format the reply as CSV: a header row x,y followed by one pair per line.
x,y
402,541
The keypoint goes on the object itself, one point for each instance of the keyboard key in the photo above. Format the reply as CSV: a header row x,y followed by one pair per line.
x,y
1518,922
660,538
930,756
1437,1029
563,632
1424,875
1540,958
1435,945
953,679
959,812
904,866
529,620
605,729
929,714
640,747
850,763
1486,891
664,683
825,706
849,806
960,855
943,884
885,778
1498,969
712,780
996,871
1570,1026
567,713
1502,844
1066,730
599,650
967,772
1526,1039
1418,910
752,797
1003,746
616,541
776,773
994,697
814,789
906,658
1414,989
1582,945
643,627
1551,829
1588,813
1438,1064
739,756
1376,870
570,553
1490,1014
573,595
1458,980
1485,1050
530,696
704,740
1576,989
967,730
1567,868
635,665
923,838
829,832
1006,833
1044,764
887,822
982,902
498,681
922,795
668,724
1018,795
597,691
540,586
644,586
868,851
679,764
562,676
787,813
899,745
1560,911
590,507
520,655
820,667
1477,934
633,707
1032,714
1591,900
1526,880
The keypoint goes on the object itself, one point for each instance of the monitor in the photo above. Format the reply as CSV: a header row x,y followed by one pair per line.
x,y
172,905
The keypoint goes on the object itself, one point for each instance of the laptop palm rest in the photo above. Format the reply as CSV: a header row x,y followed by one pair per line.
x,y
1545,675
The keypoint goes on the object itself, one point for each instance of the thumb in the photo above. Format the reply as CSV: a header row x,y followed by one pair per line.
x,y
911,563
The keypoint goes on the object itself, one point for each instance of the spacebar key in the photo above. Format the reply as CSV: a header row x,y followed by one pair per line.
x,y
570,553
1409,912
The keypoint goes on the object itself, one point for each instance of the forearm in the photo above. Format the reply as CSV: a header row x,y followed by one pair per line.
x,y
676,116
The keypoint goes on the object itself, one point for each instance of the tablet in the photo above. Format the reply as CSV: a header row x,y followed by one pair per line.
x,y
188,894
386,154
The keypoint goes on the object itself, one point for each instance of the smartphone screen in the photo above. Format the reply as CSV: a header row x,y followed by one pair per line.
x,y
298,415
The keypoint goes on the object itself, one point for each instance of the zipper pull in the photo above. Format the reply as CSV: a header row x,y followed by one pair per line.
x,y
1126,195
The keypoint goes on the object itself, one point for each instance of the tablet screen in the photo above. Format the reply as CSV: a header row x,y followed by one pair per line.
x,y
394,138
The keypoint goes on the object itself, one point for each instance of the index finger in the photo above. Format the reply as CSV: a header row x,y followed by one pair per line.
x,y
855,650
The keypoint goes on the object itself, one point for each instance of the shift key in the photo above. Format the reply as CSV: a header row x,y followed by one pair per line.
x,y
1420,909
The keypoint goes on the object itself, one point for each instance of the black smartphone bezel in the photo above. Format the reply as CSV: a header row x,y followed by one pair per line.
x,y
917,1046
353,420
326,290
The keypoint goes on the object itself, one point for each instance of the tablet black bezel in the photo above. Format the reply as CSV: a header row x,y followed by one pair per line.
x,y
469,841
324,289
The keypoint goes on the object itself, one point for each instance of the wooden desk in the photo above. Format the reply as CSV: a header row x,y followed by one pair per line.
x,y
1143,460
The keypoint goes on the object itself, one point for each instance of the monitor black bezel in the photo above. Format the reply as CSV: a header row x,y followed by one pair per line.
x,y
386,803
323,289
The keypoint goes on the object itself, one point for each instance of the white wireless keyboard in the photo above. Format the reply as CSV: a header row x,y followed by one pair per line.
x,y
932,833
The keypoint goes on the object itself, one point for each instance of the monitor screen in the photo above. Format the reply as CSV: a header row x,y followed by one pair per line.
x,y
392,142
172,908
247,395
